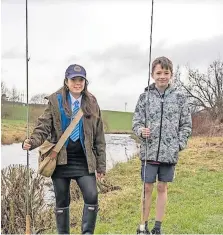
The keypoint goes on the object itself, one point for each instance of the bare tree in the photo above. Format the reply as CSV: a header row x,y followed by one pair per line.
x,y
39,99
14,95
4,91
176,77
176,80
206,90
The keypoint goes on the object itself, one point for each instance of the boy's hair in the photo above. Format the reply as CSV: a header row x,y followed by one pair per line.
x,y
164,62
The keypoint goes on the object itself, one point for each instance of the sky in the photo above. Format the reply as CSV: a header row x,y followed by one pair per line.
x,y
110,39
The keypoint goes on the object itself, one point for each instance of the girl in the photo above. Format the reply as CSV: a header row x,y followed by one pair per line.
x,y
83,153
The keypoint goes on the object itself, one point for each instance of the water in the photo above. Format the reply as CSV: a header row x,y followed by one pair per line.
x,y
119,148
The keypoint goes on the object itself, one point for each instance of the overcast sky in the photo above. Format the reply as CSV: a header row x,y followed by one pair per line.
x,y
110,39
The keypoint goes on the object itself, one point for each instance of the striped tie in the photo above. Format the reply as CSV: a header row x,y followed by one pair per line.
x,y
75,133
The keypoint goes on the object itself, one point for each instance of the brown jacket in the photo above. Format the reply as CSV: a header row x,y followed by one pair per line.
x,y
49,127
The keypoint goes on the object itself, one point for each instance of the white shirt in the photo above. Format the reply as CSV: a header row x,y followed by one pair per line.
x,y
73,100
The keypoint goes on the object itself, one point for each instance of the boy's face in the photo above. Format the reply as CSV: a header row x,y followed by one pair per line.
x,y
161,76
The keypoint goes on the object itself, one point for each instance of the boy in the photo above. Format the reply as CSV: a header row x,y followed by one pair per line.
x,y
162,120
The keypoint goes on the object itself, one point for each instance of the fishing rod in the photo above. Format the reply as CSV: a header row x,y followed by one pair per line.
x,y
28,218
142,229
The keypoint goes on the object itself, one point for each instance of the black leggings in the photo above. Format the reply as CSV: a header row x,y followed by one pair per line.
x,y
87,185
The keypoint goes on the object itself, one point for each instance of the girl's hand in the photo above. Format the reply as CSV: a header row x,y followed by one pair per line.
x,y
100,176
26,144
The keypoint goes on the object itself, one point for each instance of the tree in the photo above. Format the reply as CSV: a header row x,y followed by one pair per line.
x,y
4,91
14,95
39,99
176,77
176,80
206,90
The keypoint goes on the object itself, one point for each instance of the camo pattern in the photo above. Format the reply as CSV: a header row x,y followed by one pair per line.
x,y
167,140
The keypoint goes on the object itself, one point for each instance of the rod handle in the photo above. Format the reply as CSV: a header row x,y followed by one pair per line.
x,y
28,224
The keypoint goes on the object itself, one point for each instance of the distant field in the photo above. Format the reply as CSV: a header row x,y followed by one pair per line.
x,y
19,112
14,121
115,121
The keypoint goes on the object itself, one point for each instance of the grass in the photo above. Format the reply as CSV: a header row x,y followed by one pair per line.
x,y
115,121
14,111
13,131
14,126
194,198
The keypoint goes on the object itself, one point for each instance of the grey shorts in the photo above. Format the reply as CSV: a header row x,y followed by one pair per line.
x,y
164,172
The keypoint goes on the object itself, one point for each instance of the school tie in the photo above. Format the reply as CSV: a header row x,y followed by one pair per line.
x,y
75,133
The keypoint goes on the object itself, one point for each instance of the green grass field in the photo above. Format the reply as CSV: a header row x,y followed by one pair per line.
x,y
14,122
19,112
194,202
115,121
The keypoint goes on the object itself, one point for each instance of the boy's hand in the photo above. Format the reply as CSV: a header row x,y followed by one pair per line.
x,y
145,132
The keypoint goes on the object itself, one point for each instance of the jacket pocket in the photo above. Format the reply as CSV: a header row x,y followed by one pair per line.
x,y
93,159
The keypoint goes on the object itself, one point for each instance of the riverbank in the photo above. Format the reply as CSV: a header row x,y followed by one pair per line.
x,y
194,202
14,130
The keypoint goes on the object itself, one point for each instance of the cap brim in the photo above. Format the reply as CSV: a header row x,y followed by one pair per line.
x,y
76,75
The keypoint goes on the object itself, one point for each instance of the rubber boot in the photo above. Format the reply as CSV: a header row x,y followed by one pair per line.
x,y
63,220
142,229
147,228
89,218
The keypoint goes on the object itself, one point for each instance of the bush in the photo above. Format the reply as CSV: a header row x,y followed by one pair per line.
x,y
13,198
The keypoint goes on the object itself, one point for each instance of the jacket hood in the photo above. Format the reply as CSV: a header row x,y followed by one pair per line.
x,y
169,89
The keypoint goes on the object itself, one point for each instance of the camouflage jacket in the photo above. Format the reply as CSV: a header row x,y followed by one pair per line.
x,y
169,119
49,127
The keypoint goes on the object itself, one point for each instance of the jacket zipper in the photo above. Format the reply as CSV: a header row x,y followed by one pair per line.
x,y
161,122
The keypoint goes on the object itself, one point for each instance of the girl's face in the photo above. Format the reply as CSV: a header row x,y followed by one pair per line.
x,y
161,76
75,85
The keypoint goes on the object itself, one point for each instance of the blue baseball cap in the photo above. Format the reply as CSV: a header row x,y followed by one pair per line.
x,y
75,70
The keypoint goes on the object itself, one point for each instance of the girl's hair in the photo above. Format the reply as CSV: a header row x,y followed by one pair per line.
x,y
164,62
88,102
